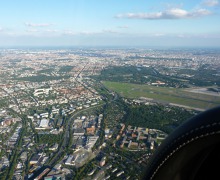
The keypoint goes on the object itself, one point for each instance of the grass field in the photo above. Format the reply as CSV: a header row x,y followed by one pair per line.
x,y
165,94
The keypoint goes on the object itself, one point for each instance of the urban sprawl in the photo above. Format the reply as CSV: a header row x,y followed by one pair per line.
x,y
58,120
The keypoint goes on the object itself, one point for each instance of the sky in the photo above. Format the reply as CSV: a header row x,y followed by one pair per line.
x,y
163,23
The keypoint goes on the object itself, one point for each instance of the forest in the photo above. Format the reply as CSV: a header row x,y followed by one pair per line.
x,y
165,118
178,77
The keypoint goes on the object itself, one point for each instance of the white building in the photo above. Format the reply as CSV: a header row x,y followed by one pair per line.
x,y
71,160
91,140
44,123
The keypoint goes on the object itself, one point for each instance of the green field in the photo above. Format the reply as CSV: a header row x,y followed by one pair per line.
x,y
165,94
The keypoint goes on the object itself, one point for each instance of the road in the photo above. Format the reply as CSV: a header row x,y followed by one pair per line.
x,y
68,129
67,136
13,98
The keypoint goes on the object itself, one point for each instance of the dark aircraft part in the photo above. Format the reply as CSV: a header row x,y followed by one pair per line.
x,y
191,152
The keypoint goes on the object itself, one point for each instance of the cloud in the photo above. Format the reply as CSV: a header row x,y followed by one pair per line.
x,y
32,30
200,35
72,33
109,31
184,35
88,33
123,27
69,32
51,30
5,30
210,3
1,29
158,34
174,13
38,25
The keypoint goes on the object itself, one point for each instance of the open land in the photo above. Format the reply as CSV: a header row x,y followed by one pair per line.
x,y
176,96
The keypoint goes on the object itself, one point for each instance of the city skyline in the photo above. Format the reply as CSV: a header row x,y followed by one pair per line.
x,y
110,23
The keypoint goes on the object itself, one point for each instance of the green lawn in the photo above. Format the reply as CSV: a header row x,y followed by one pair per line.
x,y
169,95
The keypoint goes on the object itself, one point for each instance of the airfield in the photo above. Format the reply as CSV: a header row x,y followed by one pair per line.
x,y
183,97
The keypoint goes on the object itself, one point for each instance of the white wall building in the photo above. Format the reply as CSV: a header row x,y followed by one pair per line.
x,y
44,123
